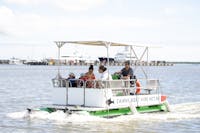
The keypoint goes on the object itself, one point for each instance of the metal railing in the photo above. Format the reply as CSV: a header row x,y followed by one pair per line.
x,y
147,85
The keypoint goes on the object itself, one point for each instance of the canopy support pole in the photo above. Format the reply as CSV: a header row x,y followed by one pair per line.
x,y
107,45
59,45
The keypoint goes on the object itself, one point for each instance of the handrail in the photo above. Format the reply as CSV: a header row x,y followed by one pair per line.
x,y
147,85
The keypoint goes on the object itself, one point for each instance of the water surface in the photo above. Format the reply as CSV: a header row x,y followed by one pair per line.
x,y
24,87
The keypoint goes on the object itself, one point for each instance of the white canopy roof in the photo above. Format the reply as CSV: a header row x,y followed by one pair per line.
x,y
102,43
95,43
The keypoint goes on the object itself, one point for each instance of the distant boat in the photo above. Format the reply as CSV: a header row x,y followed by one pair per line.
x,y
104,59
35,62
124,55
16,61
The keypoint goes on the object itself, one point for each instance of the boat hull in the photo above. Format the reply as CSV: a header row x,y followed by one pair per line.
x,y
105,112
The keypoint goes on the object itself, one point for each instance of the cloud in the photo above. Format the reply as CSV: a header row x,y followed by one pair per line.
x,y
170,11
3,33
19,24
25,2
108,22
67,5
25,25
179,10
6,11
78,5
6,16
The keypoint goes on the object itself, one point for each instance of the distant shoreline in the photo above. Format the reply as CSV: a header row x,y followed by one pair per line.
x,y
87,64
15,61
183,62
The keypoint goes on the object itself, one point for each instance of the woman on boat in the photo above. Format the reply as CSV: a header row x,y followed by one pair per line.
x,y
104,73
89,76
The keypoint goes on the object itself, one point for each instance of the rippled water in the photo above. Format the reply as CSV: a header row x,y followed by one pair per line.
x,y
30,86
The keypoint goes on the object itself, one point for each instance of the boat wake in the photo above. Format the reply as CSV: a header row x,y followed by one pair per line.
x,y
57,116
178,112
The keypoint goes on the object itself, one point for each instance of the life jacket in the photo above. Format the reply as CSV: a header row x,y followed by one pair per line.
x,y
138,87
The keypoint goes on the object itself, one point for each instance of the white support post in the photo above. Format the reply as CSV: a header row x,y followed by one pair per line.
x,y
59,45
107,45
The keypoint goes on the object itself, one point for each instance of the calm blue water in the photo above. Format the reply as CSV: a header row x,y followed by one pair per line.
x,y
30,86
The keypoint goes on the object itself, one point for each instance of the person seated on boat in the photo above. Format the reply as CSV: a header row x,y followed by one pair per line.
x,y
126,72
88,77
104,73
72,80
103,77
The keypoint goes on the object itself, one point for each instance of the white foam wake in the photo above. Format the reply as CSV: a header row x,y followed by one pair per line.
x,y
58,116
178,112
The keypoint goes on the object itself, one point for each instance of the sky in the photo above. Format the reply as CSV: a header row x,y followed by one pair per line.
x,y
28,28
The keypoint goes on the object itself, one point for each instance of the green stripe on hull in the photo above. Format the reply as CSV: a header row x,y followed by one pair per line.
x,y
119,111
127,110
111,112
154,108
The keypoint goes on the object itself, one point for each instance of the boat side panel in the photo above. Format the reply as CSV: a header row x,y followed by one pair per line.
x,y
59,95
75,96
97,97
